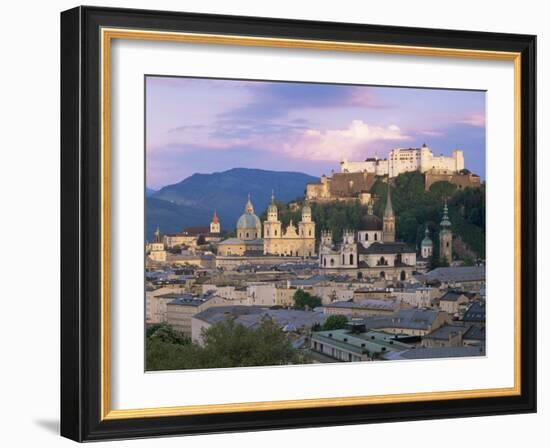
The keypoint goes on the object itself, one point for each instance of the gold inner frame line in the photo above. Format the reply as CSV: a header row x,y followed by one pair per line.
x,y
107,35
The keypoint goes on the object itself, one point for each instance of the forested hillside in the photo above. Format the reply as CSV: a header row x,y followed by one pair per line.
x,y
414,209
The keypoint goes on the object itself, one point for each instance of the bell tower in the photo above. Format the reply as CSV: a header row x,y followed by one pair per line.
x,y
272,228
215,224
446,237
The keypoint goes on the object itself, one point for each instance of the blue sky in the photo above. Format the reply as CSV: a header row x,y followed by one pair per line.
x,y
205,125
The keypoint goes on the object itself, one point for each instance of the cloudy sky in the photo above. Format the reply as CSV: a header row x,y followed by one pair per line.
x,y
205,125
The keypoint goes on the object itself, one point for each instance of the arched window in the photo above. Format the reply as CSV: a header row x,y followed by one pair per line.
x,y
343,259
447,244
350,258
247,234
310,232
382,274
403,276
332,261
324,261
275,232
375,236
366,236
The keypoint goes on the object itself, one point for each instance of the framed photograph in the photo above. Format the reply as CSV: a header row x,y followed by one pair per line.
x,y
274,223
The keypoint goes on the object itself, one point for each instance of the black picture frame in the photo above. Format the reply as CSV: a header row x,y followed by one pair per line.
x,y
81,224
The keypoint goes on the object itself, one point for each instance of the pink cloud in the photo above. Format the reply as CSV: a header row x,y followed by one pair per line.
x,y
332,144
431,133
477,120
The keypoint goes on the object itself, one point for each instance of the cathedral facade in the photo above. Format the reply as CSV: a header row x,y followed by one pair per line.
x,y
293,241
371,251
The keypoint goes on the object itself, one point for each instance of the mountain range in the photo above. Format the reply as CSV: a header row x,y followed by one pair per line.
x,y
192,201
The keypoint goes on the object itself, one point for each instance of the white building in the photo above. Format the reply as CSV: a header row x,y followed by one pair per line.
x,y
402,160
371,251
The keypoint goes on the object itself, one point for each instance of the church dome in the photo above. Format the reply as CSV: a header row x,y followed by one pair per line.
x,y
427,242
248,221
370,222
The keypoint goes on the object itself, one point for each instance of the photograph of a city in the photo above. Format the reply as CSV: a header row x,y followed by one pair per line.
x,y
305,223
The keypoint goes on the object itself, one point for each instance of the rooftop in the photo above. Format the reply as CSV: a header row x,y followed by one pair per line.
x,y
456,274
360,343
443,332
250,316
387,248
436,352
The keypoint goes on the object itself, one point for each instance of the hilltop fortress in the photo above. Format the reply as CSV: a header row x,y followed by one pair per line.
x,y
355,179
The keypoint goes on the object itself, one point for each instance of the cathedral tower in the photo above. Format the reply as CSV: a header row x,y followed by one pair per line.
x,y
445,237
306,230
272,229
388,229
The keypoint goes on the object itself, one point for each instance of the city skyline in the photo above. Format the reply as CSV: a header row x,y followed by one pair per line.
x,y
210,125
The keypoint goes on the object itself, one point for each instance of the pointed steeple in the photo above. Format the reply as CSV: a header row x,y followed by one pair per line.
x,y
388,225
157,235
272,208
445,221
249,208
389,208
215,218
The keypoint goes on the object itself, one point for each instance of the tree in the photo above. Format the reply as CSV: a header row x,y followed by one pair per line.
x,y
303,299
335,322
225,344
166,333
442,189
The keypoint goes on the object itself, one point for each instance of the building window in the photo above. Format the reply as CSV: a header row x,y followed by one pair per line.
x,y
375,236
366,236
275,233
332,261
350,258
324,261
310,233
247,234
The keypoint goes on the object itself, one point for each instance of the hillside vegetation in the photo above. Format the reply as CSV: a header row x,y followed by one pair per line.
x,y
414,209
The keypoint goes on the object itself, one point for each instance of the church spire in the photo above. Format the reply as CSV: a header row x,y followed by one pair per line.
x,y
272,208
249,208
388,225
445,221
389,208
157,235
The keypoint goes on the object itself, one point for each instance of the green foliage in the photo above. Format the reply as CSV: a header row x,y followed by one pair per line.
x,y
226,344
335,322
414,208
443,189
303,299
165,333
